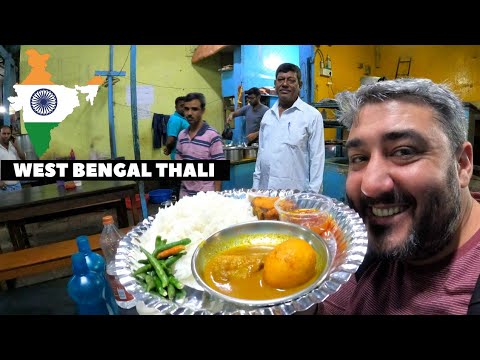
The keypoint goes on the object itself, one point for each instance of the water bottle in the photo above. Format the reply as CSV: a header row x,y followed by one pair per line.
x,y
86,288
96,263
109,240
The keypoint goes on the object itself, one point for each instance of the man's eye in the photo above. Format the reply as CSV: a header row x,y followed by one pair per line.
x,y
402,152
356,159
290,81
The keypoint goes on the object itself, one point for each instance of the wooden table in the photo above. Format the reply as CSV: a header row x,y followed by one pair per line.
x,y
41,203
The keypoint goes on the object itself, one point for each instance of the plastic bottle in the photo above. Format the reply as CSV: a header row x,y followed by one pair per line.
x,y
86,288
96,263
109,240
72,154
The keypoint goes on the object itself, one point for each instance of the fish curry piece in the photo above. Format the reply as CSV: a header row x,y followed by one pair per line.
x,y
263,207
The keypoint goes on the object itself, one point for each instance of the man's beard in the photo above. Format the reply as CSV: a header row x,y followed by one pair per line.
x,y
432,230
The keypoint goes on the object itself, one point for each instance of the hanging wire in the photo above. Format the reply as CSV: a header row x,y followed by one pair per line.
x,y
115,79
318,51
331,86
128,55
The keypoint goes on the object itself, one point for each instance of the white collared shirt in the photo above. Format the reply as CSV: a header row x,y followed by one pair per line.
x,y
291,152
10,154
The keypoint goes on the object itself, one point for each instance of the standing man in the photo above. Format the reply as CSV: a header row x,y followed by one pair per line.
x,y
410,166
253,113
9,150
175,124
198,142
291,152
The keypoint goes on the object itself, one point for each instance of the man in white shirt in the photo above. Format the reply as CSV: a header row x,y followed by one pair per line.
x,y
291,154
9,150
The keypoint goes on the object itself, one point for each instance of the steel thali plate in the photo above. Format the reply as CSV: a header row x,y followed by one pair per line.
x,y
350,254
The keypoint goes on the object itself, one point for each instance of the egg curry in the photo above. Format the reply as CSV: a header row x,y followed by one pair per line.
x,y
262,271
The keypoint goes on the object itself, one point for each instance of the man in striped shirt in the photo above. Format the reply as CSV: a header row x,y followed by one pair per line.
x,y
410,165
198,142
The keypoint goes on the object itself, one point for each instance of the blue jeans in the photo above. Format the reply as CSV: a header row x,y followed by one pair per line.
x,y
14,187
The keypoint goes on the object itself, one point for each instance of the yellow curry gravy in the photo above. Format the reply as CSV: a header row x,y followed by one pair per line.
x,y
238,272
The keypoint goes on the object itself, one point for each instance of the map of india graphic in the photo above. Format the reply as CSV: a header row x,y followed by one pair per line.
x,y
44,103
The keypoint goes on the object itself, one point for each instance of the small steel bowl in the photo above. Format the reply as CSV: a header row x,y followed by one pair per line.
x,y
260,233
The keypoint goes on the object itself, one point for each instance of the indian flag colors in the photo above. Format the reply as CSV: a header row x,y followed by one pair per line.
x,y
44,103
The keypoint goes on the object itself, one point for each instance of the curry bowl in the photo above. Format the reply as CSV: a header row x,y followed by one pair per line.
x,y
306,209
262,263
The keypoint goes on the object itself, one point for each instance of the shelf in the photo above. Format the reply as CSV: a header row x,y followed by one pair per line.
x,y
326,104
331,124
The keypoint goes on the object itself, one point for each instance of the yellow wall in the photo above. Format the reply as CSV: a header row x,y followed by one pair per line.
x,y
459,65
167,68
348,66
346,70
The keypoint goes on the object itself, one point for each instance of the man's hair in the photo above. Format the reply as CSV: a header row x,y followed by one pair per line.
x,y
448,108
196,96
6,127
253,91
178,99
286,67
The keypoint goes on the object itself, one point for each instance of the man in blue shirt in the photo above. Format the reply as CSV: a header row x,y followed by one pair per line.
x,y
175,124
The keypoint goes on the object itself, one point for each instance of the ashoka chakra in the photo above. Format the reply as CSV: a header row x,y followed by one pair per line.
x,y
43,102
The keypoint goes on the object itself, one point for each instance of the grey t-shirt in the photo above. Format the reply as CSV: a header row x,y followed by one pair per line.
x,y
253,117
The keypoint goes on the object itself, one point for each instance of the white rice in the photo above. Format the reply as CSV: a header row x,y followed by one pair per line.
x,y
196,217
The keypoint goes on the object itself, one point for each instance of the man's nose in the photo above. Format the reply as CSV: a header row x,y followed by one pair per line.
x,y
377,178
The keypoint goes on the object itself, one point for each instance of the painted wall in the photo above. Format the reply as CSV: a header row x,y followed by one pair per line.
x,y
167,69
306,58
346,69
457,64
260,62
255,66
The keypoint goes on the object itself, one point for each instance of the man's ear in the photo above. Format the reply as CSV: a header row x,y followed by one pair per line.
x,y
465,164
300,83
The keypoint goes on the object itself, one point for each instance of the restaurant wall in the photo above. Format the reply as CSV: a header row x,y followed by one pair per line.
x,y
164,70
458,65
346,70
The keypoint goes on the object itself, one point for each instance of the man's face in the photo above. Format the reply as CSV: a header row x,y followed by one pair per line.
x,y
402,180
193,112
179,107
253,99
5,134
287,86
